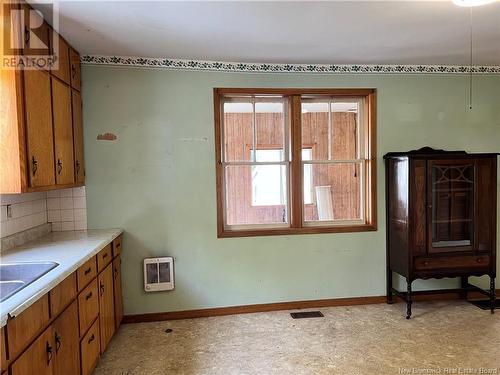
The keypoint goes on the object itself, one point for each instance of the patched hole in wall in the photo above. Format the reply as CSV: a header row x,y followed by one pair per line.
x,y
106,137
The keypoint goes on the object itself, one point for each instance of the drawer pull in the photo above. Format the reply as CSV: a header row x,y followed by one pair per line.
x,y
92,338
105,255
88,296
118,244
58,342
59,166
101,285
34,165
87,271
48,349
426,263
479,260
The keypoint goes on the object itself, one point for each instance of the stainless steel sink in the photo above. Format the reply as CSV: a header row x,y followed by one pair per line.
x,y
16,276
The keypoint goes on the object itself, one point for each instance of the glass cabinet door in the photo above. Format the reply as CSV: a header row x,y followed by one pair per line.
x,y
451,205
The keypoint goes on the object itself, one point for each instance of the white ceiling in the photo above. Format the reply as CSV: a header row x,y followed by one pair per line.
x,y
355,32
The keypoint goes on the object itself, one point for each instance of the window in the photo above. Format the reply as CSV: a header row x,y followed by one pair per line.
x,y
295,161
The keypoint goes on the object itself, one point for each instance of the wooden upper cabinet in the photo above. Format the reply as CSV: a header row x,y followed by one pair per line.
x,y
40,119
78,136
3,358
63,132
40,146
38,359
66,342
106,306
74,58
61,53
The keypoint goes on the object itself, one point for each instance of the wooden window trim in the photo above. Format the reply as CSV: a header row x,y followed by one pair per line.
x,y
294,96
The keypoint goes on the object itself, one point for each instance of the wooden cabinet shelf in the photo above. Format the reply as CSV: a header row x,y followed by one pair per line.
x,y
41,136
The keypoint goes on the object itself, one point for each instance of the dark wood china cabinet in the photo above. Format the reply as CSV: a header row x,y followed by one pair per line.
x,y
441,218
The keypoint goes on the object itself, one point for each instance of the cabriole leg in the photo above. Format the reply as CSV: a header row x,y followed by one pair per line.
x,y
492,294
408,299
464,281
389,286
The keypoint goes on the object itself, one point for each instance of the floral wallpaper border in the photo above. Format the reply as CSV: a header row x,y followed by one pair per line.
x,y
165,63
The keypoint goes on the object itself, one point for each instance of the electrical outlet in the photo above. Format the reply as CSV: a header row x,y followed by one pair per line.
x,y
9,211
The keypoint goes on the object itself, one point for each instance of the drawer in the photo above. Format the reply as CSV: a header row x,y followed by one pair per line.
x,y
62,295
90,349
24,327
88,306
86,273
117,246
470,261
103,258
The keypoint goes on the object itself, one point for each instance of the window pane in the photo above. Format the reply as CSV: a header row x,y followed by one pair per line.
x,y
344,130
238,131
315,129
335,190
270,126
332,135
256,194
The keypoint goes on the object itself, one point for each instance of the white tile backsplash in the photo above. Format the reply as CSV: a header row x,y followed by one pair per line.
x,y
66,209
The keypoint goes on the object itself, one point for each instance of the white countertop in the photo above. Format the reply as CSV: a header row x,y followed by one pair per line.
x,y
70,249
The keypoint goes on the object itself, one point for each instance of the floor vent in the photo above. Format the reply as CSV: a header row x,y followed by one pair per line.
x,y
485,304
306,314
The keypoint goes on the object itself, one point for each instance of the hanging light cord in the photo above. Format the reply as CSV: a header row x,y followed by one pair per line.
x,y
470,62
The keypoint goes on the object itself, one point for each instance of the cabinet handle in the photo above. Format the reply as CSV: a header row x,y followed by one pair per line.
x,y
58,341
480,260
101,285
105,255
87,271
26,36
73,70
116,271
59,166
91,338
88,296
77,165
48,349
34,165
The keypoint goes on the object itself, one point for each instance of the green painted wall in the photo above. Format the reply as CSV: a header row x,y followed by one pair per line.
x,y
157,181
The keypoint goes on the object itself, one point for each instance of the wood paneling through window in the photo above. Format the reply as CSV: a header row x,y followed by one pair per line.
x,y
340,175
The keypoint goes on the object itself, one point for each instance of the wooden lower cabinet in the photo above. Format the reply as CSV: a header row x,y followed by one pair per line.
x,y
90,349
66,342
38,359
117,285
64,333
106,306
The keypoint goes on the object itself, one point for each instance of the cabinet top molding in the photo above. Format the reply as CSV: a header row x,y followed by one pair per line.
x,y
427,151
242,67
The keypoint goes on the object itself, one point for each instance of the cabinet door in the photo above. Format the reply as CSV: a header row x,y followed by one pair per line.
x,y
35,34
74,58
90,349
78,136
117,283
61,52
67,351
63,132
38,359
451,205
106,306
40,141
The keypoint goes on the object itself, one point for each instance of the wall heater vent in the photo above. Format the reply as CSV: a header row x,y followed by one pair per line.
x,y
158,274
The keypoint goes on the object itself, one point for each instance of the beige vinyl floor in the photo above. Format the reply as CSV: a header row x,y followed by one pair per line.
x,y
441,338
